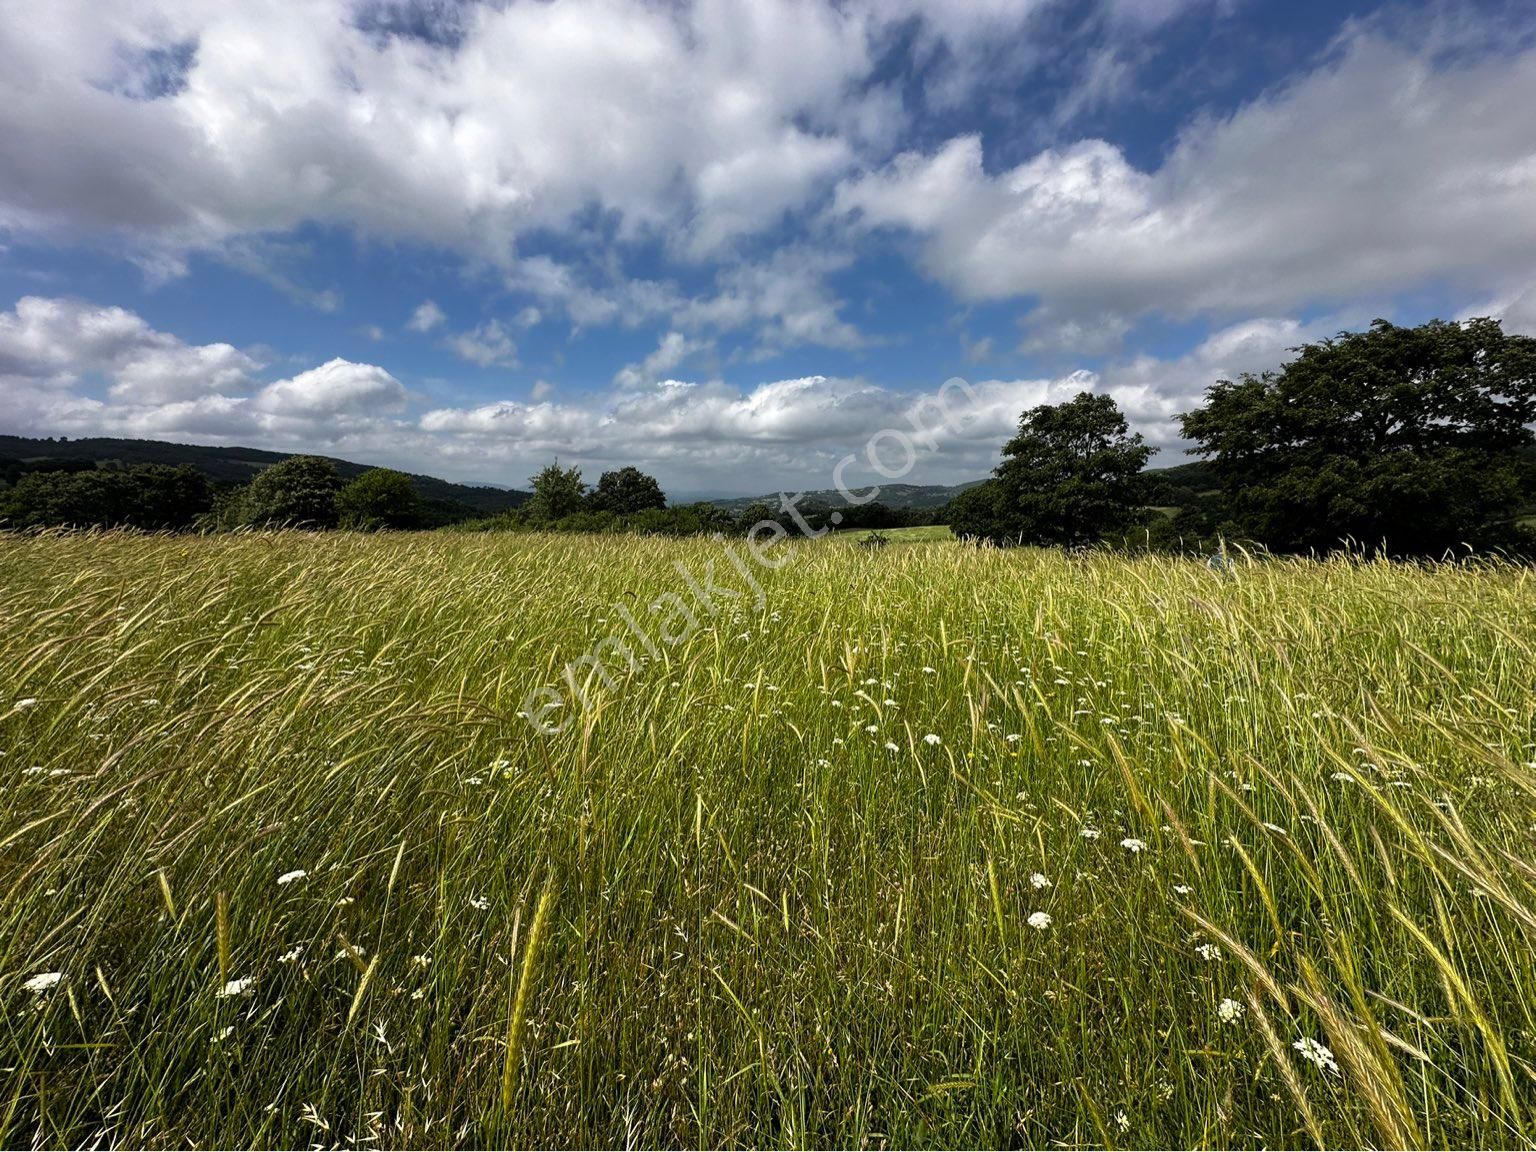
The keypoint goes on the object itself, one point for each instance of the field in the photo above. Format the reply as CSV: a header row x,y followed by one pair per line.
x,y
927,846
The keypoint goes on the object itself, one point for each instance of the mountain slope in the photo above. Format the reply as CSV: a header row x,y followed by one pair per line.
x,y
234,465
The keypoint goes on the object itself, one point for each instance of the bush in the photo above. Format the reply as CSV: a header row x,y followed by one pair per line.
x,y
380,498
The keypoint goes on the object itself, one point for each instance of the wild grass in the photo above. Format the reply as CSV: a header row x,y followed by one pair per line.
x,y
717,910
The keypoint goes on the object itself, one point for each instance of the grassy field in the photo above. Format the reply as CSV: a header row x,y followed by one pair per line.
x,y
936,846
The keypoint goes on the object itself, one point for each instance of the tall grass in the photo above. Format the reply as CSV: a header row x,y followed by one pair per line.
x,y
717,910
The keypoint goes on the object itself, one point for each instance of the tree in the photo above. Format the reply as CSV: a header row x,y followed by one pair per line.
x,y
380,498
1072,475
142,496
980,513
297,492
626,492
1415,440
557,492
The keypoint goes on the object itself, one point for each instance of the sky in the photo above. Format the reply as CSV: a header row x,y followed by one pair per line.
x,y
728,241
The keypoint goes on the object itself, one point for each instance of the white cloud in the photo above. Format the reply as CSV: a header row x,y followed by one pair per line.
x,y
695,435
54,341
785,299
487,345
426,317
53,349
1388,167
1516,308
671,351
711,118
336,388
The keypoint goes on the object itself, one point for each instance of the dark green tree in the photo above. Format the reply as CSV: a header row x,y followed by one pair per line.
x,y
1414,440
142,496
380,498
297,492
557,493
626,492
1072,475
981,513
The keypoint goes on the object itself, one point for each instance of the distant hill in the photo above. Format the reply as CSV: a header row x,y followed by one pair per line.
x,y
238,465
1181,484
891,495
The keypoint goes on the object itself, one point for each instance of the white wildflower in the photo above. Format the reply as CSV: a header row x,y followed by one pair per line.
x,y
871,728
1038,880
1039,921
1229,1011
1317,1053
42,981
1133,845
290,877
236,988
480,903
292,955
1208,951
1089,833
1182,889
931,739
892,746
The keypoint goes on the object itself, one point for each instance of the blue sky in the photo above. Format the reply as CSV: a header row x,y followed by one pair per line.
x,y
728,240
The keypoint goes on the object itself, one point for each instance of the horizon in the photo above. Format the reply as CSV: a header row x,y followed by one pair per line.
x,y
680,497
722,243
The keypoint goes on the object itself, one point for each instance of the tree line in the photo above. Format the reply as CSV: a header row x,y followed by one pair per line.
x,y
301,491
1408,441
1415,441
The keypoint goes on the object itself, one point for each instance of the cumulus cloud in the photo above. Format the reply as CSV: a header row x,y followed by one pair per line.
x,y
465,126
55,341
426,317
784,299
673,349
56,353
1389,166
336,388
487,345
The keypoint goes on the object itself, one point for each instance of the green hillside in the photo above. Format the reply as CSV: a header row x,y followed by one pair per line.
x,y
228,465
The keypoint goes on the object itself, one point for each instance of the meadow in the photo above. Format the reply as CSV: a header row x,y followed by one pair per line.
x,y
932,846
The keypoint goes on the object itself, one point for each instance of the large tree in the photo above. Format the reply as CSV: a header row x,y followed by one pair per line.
x,y
626,492
380,498
557,492
297,492
1414,440
1072,475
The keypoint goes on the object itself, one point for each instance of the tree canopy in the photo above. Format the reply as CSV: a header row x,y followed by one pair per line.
x,y
380,498
557,492
1407,439
1072,475
626,492
297,492
142,496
